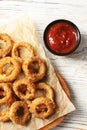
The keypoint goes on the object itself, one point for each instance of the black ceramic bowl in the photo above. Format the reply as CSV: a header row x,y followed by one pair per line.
x,y
56,23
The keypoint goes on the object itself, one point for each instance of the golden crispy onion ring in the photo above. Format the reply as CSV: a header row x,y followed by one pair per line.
x,y
34,68
24,89
19,113
43,89
5,93
9,43
16,51
13,74
5,108
42,107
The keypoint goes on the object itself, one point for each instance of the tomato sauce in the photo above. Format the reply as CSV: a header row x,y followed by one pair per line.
x,y
61,37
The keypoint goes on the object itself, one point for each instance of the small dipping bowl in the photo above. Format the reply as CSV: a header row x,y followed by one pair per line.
x,y
62,37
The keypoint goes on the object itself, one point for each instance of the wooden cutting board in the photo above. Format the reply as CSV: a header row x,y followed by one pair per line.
x,y
59,120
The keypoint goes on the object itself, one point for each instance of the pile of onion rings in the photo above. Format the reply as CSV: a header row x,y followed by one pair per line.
x,y
23,95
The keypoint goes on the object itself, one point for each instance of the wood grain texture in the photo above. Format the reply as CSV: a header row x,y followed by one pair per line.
x,y
73,67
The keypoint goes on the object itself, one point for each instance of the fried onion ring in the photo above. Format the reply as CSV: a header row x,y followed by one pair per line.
x,y
43,89
34,68
9,43
24,89
19,113
13,74
42,107
16,51
5,93
5,108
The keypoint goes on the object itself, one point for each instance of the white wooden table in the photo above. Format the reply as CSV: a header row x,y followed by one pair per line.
x,y
74,67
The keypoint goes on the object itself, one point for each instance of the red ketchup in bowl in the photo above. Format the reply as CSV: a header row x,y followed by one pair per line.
x,y
61,37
